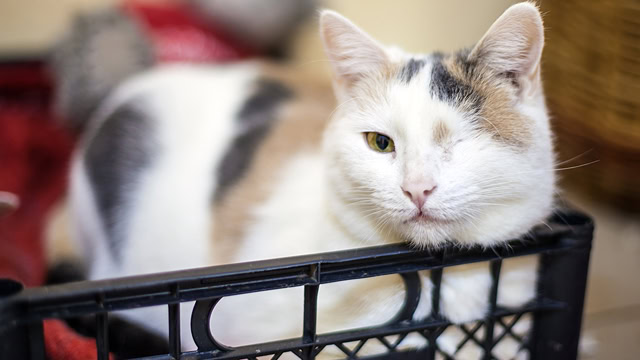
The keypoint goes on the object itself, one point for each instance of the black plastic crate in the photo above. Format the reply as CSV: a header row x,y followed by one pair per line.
x,y
563,248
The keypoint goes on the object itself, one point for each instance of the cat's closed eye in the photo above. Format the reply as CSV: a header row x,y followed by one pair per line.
x,y
380,142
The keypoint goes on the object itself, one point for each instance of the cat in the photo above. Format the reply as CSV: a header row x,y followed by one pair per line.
x,y
196,165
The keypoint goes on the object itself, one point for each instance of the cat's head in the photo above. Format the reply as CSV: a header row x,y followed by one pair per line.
x,y
428,148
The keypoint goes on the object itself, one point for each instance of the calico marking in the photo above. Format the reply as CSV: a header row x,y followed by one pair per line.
x,y
492,99
114,159
410,69
448,88
255,119
299,126
440,132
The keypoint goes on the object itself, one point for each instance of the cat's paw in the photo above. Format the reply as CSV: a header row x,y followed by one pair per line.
x,y
464,295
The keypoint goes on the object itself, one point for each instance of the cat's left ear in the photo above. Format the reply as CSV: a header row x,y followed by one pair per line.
x,y
513,45
352,52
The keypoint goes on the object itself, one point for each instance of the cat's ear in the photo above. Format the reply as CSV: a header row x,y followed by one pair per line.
x,y
513,45
351,51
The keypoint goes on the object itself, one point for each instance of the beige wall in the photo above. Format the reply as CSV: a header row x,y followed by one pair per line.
x,y
28,26
414,25
423,25
417,25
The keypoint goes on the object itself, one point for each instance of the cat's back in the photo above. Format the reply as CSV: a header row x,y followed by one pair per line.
x,y
171,145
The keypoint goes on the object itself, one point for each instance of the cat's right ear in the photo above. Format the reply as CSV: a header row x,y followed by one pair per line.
x,y
351,51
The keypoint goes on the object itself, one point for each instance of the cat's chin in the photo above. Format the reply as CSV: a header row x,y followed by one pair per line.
x,y
425,232
425,229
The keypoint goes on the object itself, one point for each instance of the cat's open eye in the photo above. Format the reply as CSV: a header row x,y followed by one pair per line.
x,y
379,142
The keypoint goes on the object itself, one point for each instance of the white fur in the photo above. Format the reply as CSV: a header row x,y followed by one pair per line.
x,y
343,197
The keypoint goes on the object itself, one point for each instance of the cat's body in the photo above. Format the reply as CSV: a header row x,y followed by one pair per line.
x,y
190,166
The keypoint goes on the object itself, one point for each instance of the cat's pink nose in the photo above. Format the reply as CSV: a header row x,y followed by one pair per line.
x,y
418,192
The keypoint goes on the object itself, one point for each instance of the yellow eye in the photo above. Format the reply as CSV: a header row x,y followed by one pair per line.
x,y
379,142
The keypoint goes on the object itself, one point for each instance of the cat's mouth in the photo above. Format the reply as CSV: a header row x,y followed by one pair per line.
x,y
425,218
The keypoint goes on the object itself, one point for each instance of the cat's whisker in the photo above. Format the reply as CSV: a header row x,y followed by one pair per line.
x,y
555,169
577,166
573,158
487,203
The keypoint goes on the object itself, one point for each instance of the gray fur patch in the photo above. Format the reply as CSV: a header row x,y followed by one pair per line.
x,y
255,119
114,159
99,51
446,87
410,69
468,66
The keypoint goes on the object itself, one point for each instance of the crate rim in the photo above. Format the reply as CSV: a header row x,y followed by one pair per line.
x,y
99,296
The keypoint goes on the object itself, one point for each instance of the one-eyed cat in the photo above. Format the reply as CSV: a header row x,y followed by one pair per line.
x,y
188,166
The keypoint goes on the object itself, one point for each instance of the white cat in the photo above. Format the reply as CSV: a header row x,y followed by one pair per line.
x,y
189,166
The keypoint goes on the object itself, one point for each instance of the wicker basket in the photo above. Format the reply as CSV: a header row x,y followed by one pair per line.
x,y
592,82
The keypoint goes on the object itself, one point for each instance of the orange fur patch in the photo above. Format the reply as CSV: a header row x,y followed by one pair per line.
x,y
498,115
440,132
300,124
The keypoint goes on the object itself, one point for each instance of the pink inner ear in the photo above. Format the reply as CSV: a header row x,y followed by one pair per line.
x,y
351,51
514,42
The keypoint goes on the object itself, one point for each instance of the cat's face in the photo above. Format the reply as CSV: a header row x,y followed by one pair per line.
x,y
440,147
